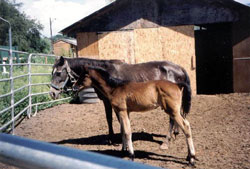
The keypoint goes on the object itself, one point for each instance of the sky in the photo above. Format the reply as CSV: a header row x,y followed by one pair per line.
x,y
63,13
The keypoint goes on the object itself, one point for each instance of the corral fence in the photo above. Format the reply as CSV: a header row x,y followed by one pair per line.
x,y
23,85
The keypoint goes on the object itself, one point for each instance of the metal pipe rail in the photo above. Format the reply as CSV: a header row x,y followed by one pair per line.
x,y
16,117
6,79
14,51
27,153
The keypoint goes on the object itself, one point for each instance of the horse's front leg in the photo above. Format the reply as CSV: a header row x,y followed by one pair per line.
x,y
126,133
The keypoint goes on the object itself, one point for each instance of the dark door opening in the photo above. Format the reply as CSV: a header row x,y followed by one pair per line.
x,y
214,67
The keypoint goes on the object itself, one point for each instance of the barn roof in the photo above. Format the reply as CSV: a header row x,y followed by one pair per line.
x,y
70,41
132,14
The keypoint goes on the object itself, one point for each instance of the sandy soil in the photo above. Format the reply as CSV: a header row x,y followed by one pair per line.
x,y
220,126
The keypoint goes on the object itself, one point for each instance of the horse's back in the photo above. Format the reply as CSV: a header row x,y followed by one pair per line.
x,y
154,70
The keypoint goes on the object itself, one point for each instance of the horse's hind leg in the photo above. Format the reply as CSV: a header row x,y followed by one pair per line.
x,y
108,111
176,129
165,145
185,126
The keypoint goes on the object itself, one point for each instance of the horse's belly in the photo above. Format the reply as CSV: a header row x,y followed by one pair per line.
x,y
142,106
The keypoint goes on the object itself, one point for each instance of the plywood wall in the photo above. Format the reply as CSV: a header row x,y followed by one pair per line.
x,y
87,43
148,46
117,45
241,67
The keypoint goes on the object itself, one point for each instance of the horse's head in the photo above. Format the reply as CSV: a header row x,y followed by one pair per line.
x,y
84,81
61,77
89,75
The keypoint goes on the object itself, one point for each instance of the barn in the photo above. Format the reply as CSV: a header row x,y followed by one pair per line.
x,y
210,39
65,47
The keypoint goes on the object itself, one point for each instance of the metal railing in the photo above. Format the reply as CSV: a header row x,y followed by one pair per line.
x,y
28,153
11,78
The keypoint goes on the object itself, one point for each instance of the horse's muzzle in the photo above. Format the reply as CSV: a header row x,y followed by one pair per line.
x,y
52,95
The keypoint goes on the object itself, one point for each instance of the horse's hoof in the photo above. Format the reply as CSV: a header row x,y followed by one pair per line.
x,y
110,140
107,141
176,133
132,157
191,160
113,143
164,146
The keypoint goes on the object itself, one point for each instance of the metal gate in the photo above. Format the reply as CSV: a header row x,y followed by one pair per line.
x,y
10,85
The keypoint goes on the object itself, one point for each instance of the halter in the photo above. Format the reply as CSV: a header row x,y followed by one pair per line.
x,y
70,76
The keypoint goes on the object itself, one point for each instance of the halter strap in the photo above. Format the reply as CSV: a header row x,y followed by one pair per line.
x,y
70,77
70,72
60,88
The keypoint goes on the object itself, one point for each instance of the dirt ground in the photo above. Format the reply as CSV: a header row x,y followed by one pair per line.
x,y
220,126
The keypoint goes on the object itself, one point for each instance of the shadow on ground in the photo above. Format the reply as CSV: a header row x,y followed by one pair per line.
x,y
102,139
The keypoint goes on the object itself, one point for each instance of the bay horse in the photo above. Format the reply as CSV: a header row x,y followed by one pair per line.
x,y
126,97
67,70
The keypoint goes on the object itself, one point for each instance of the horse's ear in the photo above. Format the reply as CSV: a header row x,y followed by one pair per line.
x,y
61,61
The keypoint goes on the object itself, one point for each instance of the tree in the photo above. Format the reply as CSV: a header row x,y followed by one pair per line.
x,y
25,31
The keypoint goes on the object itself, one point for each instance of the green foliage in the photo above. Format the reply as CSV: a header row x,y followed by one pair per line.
x,y
25,31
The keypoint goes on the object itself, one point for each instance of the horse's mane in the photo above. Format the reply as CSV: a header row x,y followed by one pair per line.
x,y
78,65
112,81
77,62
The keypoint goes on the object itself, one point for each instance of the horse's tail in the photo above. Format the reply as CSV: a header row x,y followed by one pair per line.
x,y
187,94
186,98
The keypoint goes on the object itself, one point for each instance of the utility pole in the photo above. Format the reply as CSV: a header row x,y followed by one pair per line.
x,y
51,40
10,34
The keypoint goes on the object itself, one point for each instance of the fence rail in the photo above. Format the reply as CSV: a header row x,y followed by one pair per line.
x,y
11,79
27,153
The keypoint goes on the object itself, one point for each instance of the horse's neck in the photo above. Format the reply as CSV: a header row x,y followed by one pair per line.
x,y
77,64
100,84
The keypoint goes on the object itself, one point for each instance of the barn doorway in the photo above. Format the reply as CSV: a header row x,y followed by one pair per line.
x,y
214,67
